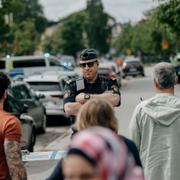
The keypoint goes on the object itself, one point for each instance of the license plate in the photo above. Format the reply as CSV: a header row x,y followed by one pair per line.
x,y
132,69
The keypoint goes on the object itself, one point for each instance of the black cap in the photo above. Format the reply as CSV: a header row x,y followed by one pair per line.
x,y
88,55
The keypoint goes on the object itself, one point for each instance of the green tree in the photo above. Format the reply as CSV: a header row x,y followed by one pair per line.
x,y
169,14
21,14
68,38
72,35
87,28
26,38
124,39
96,26
29,10
147,37
5,31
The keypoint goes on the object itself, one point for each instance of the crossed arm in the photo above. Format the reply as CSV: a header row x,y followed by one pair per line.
x,y
13,157
72,108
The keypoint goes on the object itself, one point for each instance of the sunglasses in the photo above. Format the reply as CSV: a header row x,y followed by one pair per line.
x,y
90,64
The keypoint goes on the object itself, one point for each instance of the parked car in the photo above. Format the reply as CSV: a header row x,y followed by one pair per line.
x,y
27,122
132,67
50,86
110,69
69,74
35,108
26,65
68,62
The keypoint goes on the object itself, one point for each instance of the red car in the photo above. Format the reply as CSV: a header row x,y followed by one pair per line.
x,y
111,70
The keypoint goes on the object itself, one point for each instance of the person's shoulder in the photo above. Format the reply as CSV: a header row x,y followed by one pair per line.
x,y
74,80
9,120
6,116
127,141
71,82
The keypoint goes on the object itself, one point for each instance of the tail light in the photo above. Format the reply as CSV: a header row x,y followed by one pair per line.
x,y
57,96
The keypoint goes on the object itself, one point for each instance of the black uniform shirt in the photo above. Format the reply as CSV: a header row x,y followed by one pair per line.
x,y
100,86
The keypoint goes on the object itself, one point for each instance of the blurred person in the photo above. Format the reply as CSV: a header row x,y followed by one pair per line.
x,y
119,61
155,125
97,112
97,153
175,61
11,165
90,86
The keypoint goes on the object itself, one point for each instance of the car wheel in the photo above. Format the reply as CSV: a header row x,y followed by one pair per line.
x,y
143,74
178,79
32,141
42,129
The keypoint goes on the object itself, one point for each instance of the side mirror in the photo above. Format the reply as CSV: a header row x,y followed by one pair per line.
x,y
25,108
40,96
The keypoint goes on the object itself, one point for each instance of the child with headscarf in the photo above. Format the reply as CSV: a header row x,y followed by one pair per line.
x,y
98,154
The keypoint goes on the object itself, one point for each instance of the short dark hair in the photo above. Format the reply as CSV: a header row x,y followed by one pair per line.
x,y
4,83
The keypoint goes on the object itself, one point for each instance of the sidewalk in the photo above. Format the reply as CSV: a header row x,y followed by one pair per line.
x,y
61,143
42,169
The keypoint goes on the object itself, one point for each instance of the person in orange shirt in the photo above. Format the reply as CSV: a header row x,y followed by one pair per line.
x,y
11,165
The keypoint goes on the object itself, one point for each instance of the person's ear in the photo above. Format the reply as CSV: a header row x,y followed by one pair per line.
x,y
5,94
155,83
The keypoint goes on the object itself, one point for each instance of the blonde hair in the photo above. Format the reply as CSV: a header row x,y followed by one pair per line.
x,y
96,112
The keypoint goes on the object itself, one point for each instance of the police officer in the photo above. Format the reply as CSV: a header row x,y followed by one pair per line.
x,y
91,85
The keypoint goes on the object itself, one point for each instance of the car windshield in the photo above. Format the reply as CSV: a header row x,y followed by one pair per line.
x,y
2,64
29,63
45,86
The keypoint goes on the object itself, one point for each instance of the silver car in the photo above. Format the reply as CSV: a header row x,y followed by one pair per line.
x,y
50,86
35,108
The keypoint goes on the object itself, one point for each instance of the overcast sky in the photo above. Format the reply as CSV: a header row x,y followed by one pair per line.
x,y
122,10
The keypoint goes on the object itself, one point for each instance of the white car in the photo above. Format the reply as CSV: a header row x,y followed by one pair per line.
x,y
27,65
50,86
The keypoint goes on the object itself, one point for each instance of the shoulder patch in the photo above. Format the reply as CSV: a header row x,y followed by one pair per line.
x,y
115,88
67,93
69,81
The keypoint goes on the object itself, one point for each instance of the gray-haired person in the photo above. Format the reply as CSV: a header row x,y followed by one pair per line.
x,y
155,127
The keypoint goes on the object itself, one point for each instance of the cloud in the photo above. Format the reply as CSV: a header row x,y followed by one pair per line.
x,y
122,10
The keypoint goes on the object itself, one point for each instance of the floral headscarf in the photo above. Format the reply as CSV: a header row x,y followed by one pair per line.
x,y
105,151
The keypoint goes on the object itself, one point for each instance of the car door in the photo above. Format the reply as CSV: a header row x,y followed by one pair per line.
x,y
35,108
